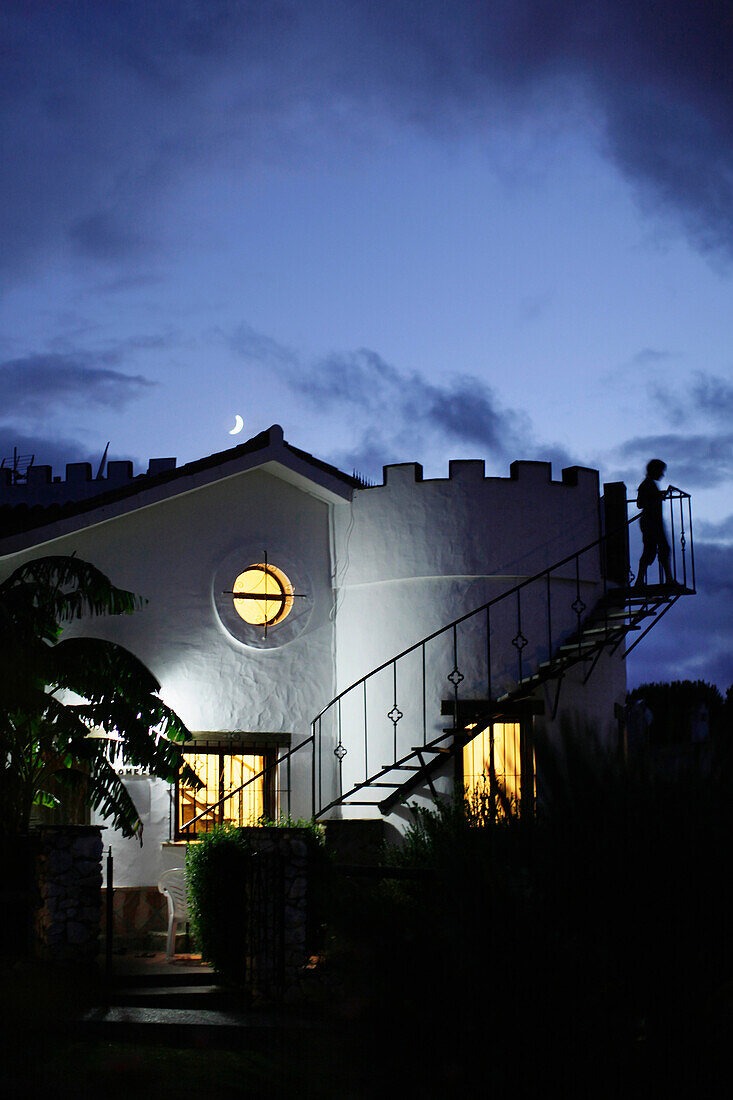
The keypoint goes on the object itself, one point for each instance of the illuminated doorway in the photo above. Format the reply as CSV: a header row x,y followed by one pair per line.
x,y
498,770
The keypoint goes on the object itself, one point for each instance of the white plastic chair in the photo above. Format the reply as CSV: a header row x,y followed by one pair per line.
x,y
172,884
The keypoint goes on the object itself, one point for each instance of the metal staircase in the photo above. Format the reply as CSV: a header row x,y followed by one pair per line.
x,y
618,613
618,620
527,636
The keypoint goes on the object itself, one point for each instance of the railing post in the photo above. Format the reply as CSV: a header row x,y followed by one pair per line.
x,y
366,736
689,520
313,769
549,619
424,700
488,653
339,754
394,719
519,641
493,789
673,540
109,915
290,784
578,605
683,542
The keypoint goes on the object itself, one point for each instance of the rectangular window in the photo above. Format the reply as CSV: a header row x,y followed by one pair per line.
x,y
224,773
498,767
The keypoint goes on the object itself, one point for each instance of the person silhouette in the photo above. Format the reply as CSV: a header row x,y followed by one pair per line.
x,y
649,499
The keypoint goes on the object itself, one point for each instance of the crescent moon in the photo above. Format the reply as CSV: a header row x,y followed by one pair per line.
x,y
238,425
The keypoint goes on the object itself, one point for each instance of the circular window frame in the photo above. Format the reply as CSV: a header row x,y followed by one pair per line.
x,y
287,627
283,597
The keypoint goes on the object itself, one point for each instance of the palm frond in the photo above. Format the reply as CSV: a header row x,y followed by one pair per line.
x,y
45,738
60,588
109,796
91,667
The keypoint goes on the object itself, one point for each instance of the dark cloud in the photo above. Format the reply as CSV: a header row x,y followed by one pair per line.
x,y
554,453
713,397
105,105
105,236
45,451
96,102
37,384
660,73
649,356
706,396
695,639
713,532
693,461
368,454
56,452
468,410
129,280
460,410
396,415
262,349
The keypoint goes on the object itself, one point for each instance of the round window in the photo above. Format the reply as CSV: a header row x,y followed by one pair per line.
x,y
262,595
263,606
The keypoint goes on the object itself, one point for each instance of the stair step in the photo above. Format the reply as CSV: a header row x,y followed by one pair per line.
x,y
653,597
400,768
439,750
238,1028
164,996
601,628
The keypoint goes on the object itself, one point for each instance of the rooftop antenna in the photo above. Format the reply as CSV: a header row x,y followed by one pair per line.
x,y
101,464
20,466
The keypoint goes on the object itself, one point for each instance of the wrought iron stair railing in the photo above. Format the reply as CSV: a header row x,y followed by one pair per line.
x,y
545,646
586,647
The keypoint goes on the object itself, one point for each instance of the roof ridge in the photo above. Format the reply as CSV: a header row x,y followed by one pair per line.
x,y
29,517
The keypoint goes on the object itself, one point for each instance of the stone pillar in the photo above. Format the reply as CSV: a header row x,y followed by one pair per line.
x,y
69,876
278,920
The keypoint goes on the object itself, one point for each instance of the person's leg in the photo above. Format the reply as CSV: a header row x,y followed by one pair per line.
x,y
664,558
649,553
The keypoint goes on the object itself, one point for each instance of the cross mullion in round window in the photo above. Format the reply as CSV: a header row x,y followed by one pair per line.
x,y
262,595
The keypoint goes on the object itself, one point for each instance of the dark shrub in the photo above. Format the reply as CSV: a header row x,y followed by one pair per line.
x,y
218,873
590,939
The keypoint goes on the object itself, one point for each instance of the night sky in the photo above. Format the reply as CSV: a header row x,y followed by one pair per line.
x,y
406,231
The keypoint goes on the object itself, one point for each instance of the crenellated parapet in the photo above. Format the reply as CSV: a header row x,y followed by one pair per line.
x,y
39,485
473,471
469,524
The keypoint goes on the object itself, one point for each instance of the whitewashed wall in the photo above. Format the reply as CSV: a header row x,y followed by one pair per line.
x,y
413,555
405,558
136,865
171,553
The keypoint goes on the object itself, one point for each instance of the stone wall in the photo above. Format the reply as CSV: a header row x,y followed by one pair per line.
x,y
69,876
277,921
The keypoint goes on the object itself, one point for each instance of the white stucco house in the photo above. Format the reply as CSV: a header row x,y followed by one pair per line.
x,y
341,649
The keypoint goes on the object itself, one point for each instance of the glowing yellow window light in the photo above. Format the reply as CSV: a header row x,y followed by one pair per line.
x,y
221,774
266,595
505,769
